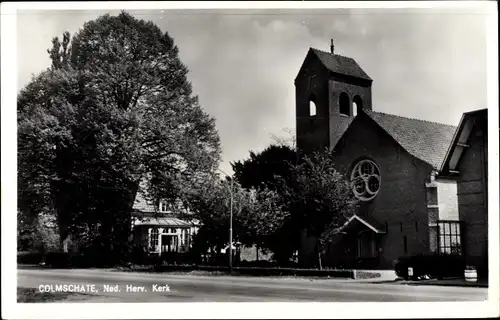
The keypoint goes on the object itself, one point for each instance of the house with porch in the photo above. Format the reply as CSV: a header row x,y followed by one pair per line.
x,y
406,207
157,228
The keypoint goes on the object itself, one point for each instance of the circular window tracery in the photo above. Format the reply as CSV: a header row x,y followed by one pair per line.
x,y
365,180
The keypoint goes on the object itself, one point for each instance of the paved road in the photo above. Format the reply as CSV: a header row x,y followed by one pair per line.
x,y
189,288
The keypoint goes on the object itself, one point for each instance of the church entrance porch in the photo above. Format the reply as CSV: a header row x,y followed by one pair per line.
x,y
357,245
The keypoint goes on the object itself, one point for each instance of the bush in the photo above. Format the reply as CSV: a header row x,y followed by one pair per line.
x,y
294,272
261,272
175,258
257,264
29,257
435,266
58,260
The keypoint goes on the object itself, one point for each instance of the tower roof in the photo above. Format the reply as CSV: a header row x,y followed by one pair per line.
x,y
340,64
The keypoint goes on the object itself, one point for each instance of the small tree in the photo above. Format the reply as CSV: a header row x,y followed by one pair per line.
x,y
269,172
320,198
256,213
261,217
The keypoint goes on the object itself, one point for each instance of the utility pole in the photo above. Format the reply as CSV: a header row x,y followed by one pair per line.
x,y
231,230
230,222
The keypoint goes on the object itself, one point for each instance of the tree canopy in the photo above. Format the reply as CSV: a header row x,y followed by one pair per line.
x,y
115,108
264,169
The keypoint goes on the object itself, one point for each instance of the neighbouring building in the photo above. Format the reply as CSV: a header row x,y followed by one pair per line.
x,y
466,162
406,206
158,229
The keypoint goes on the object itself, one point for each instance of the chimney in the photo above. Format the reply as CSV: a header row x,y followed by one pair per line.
x,y
331,46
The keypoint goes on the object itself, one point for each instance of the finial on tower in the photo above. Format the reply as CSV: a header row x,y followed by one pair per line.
x,y
331,46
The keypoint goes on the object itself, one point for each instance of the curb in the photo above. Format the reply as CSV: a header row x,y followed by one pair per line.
x,y
445,284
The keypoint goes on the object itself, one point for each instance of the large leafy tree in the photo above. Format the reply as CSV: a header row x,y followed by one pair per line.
x,y
114,109
320,198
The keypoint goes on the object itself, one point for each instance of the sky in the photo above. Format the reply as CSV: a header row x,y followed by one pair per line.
x,y
428,64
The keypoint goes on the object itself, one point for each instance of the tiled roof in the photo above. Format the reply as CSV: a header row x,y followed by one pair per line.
x,y
141,204
148,213
340,64
338,131
425,140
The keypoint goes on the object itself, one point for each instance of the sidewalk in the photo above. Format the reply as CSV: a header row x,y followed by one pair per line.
x,y
446,282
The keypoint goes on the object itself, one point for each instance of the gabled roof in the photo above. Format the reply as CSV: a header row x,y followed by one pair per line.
x,y
460,139
143,207
340,64
425,140
368,222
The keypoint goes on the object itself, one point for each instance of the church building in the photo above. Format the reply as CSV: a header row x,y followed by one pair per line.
x,y
394,163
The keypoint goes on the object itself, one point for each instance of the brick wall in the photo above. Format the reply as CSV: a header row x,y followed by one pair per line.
x,y
472,195
401,203
312,132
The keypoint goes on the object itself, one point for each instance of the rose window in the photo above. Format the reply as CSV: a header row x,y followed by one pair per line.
x,y
365,180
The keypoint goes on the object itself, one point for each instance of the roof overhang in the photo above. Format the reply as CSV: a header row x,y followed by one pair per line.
x,y
162,221
459,143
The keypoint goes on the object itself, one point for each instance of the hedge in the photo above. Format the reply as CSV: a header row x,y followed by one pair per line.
x,y
435,266
259,271
68,260
26,257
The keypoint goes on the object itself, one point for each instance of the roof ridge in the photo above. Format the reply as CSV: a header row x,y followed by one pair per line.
x,y
335,54
408,118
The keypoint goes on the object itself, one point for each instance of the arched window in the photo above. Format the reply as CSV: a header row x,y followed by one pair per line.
x,y
365,180
312,106
357,104
344,104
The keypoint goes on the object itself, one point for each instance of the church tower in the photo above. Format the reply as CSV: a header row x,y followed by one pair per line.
x,y
330,90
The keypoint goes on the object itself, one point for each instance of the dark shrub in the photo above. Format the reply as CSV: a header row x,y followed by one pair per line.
x,y
294,272
175,258
154,259
29,257
139,254
432,265
58,260
401,267
482,271
257,264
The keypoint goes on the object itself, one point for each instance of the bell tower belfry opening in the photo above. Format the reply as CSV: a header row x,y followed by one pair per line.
x,y
330,90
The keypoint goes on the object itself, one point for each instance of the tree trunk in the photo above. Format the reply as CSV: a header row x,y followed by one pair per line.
x,y
319,257
257,251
